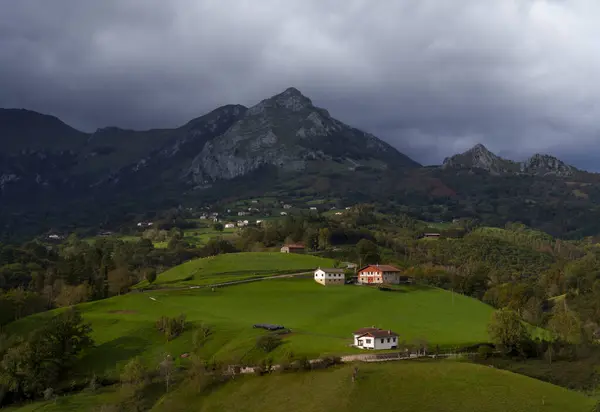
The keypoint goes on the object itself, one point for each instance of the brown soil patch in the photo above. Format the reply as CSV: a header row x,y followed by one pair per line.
x,y
124,312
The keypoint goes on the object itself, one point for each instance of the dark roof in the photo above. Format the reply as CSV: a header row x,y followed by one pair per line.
x,y
295,246
331,270
381,334
375,333
383,268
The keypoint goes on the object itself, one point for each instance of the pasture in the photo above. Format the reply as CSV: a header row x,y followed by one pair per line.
x,y
414,386
321,318
404,386
238,266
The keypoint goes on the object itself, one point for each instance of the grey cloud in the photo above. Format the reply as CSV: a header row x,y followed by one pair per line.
x,y
432,77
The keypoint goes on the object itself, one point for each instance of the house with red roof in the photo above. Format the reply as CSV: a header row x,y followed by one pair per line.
x,y
378,274
292,248
375,338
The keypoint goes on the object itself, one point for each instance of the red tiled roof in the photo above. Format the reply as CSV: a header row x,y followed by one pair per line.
x,y
382,268
362,331
381,334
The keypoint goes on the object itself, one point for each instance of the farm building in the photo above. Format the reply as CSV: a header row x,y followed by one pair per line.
x,y
229,225
379,274
293,248
375,338
326,276
431,235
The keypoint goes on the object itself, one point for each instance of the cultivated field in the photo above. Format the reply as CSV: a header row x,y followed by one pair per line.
x,y
413,386
238,266
321,319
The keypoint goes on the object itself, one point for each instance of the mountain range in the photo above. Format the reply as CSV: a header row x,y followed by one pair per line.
x,y
52,175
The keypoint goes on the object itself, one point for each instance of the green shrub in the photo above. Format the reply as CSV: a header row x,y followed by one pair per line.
x,y
268,343
171,327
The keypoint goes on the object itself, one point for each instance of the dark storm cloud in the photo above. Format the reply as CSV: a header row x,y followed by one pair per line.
x,y
432,77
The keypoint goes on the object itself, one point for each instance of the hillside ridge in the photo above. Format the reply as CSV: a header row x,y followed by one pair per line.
x,y
481,157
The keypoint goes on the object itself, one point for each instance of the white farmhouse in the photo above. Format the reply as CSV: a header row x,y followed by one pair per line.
x,y
375,339
229,225
326,276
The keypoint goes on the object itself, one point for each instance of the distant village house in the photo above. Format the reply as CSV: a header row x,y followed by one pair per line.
x,y
327,276
375,339
293,248
431,235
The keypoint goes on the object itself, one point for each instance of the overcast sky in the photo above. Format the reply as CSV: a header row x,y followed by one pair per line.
x,y
432,77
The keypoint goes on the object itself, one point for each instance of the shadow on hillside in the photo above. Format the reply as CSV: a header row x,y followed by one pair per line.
x,y
105,357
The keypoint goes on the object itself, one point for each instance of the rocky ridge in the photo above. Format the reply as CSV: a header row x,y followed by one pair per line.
x,y
479,157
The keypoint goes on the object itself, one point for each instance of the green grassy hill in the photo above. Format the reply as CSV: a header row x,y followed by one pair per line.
x,y
321,318
408,386
238,266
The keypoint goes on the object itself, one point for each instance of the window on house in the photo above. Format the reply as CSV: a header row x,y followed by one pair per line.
x,y
367,340
382,340
388,340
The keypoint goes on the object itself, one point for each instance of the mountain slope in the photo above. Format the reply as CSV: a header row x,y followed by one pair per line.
x,y
288,132
480,157
25,130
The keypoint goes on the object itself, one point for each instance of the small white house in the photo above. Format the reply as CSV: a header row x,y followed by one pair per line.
x,y
258,222
287,206
313,208
241,213
375,339
325,276
229,225
283,213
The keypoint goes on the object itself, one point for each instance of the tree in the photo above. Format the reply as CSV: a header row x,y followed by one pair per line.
x,y
119,280
166,370
151,275
324,237
506,329
171,327
218,226
31,367
134,373
566,324
367,252
72,295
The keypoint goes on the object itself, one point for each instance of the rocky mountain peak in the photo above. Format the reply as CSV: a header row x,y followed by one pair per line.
x,y
480,157
544,164
291,99
477,157
288,132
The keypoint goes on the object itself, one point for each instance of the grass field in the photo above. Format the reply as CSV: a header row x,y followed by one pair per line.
x,y
237,266
408,386
321,318
413,386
